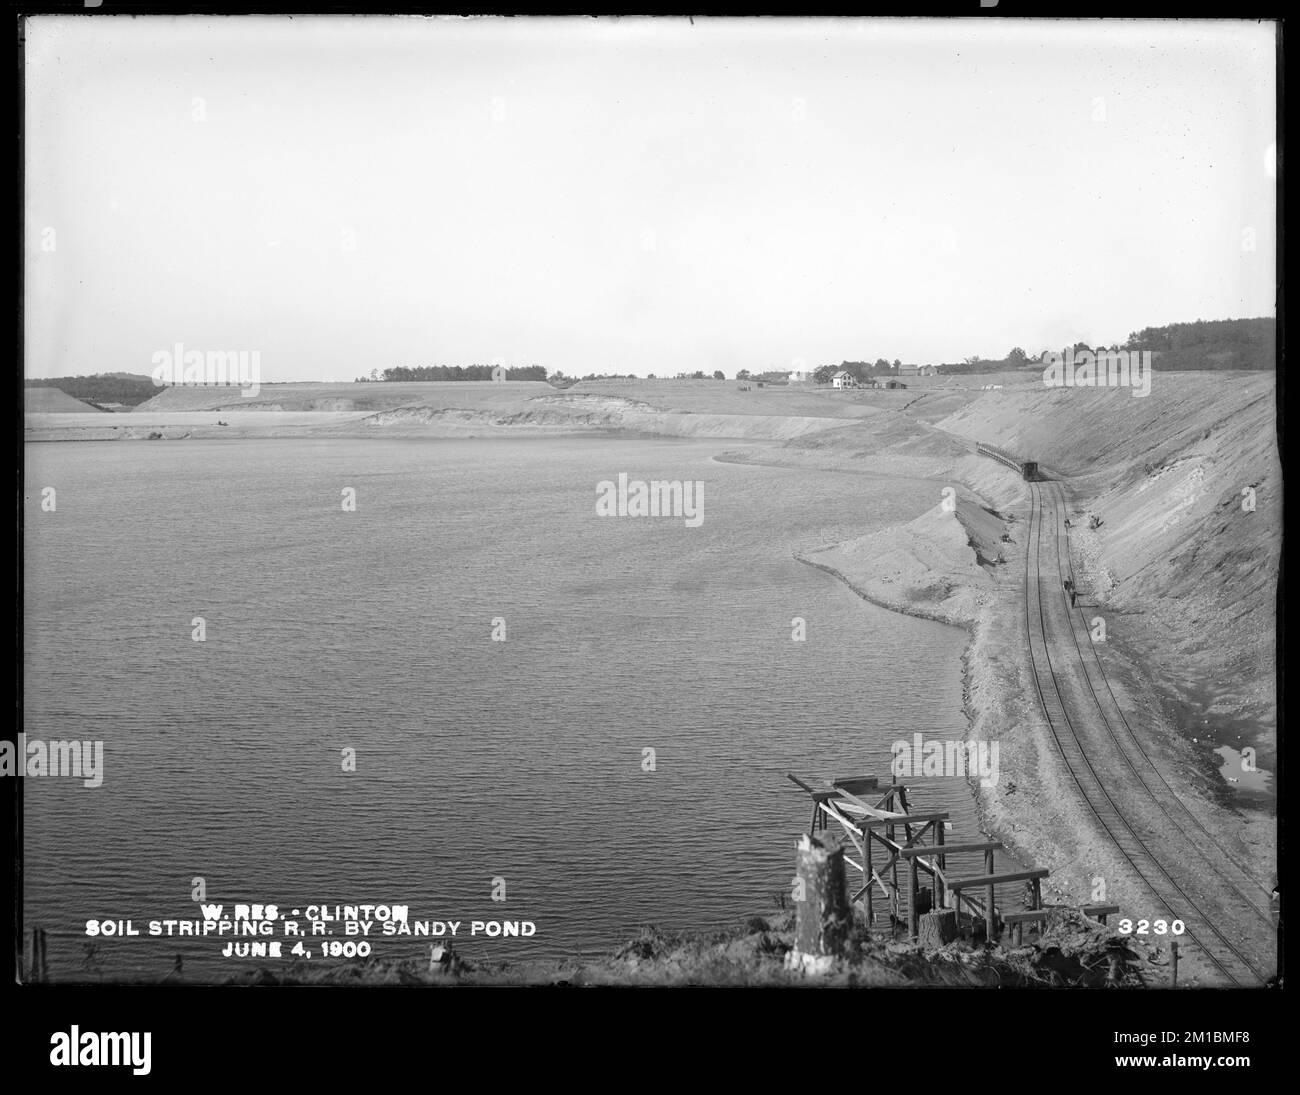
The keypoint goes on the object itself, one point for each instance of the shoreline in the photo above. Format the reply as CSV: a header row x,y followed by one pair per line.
x,y
1030,808
956,567
983,811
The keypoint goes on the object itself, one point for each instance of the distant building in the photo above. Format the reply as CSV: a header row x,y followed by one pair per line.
x,y
843,379
895,384
801,376
909,370
928,370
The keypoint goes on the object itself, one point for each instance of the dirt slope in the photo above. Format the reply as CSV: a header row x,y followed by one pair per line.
x,y
55,401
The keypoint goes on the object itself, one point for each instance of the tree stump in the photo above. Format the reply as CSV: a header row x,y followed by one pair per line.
x,y
937,929
823,917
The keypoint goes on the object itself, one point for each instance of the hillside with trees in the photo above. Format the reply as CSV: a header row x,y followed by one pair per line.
x,y
128,389
1209,344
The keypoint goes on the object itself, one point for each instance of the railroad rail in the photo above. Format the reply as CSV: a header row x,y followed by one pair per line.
x,y
1048,613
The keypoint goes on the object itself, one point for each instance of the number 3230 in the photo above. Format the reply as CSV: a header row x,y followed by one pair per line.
x,y
1152,927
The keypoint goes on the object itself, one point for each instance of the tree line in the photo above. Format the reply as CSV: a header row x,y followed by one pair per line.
x,y
1209,344
124,388
1204,344
453,372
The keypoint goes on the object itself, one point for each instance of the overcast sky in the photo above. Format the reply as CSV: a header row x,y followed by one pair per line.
x,y
646,196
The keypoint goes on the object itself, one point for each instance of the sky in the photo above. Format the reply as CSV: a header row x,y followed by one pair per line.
x,y
637,195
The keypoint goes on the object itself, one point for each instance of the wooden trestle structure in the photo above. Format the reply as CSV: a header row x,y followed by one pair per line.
x,y
878,821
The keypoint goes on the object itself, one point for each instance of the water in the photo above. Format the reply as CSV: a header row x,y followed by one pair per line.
x,y
476,761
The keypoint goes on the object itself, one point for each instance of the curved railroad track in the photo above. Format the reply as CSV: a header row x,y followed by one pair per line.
x,y
1119,783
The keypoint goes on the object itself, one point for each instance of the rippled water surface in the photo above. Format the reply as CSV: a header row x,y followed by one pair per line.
x,y
476,760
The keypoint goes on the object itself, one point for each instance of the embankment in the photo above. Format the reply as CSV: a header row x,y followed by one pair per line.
x,y
1183,574
1182,562
1073,951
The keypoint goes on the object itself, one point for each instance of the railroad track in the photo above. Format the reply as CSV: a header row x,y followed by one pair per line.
x,y
1138,760
1109,766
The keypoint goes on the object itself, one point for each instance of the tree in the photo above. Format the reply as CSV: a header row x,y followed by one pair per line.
x,y
823,373
1016,356
897,364
742,374
718,375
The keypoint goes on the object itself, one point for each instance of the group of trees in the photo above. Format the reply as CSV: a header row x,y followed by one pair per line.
x,y
860,370
1016,359
453,372
1209,344
772,376
1212,344
129,389
863,371
558,377
1205,344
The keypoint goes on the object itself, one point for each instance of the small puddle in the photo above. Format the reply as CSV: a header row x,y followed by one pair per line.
x,y
1243,774
1245,766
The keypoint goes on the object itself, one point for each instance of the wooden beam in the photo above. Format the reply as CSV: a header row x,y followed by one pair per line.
x,y
896,848
949,849
1025,917
990,926
791,776
940,884
998,879
895,845
899,819
867,875
842,793
913,921
1016,922
858,784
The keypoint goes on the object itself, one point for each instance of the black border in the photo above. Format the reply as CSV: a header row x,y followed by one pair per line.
x,y
383,1036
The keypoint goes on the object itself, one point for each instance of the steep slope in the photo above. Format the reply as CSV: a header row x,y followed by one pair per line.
x,y
54,401
1186,484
